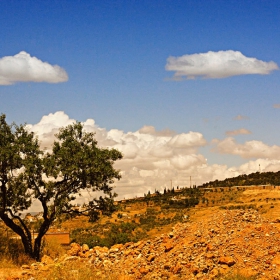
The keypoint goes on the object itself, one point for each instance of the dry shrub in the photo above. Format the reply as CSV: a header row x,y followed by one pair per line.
x,y
6,262
22,258
53,248
14,252
75,270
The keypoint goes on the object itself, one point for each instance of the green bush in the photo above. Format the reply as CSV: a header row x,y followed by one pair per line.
x,y
117,234
239,207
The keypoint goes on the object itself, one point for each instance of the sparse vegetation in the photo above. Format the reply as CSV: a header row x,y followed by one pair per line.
x,y
143,219
238,206
237,276
80,272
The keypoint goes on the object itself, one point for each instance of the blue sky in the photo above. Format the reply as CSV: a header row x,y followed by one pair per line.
x,y
115,54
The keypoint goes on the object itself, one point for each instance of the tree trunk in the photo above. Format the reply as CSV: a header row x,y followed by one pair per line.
x,y
31,250
38,240
37,248
27,244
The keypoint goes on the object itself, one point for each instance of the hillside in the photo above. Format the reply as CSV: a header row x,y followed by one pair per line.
x,y
222,243
200,233
257,178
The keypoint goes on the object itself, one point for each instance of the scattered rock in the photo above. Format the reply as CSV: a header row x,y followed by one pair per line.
x,y
74,249
229,261
232,240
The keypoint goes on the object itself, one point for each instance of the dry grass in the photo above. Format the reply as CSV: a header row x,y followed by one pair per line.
x,y
73,271
274,193
8,268
76,223
53,248
7,263
238,276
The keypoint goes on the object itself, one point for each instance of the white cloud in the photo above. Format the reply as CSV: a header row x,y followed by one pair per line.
x,y
238,132
148,129
191,139
24,68
152,159
250,149
183,162
49,126
219,64
262,165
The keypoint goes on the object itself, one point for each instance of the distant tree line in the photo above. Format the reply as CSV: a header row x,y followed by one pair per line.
x,y
175,197
253,179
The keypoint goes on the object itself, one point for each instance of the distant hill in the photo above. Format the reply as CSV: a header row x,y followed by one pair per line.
x,y
258,178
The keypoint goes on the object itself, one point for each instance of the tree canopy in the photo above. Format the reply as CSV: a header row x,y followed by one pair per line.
x,y
76,166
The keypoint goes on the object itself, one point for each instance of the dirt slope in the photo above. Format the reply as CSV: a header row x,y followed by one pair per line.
x,y
220,243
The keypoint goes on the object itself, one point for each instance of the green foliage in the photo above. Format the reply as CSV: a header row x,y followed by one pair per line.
x,y
147,222
116,234
82,236
242,207
76,166
257,178
186,198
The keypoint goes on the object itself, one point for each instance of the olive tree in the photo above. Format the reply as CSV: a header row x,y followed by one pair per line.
x,y
75,166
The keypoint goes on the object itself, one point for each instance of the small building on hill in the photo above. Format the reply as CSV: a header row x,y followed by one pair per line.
x,y
62,238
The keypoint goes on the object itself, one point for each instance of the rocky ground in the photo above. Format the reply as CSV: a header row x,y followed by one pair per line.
x,y
227,241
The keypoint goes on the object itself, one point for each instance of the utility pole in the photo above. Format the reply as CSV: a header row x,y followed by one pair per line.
x,y
171,184
190,181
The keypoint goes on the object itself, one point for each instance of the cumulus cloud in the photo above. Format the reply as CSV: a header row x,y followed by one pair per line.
x,y
183,162
262,165
215,65
238,132
152,158
22,67
240,118
48,126
276,106
148,129
250,149
189,140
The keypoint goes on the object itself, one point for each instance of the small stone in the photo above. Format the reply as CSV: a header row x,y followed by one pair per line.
x,y
25,266
151,258
171,234
71,258
85,248
143,270
168,247
75,248
229,261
